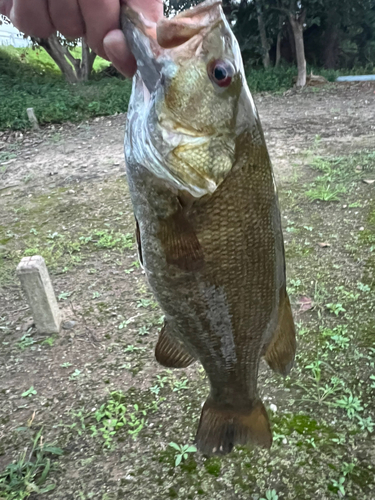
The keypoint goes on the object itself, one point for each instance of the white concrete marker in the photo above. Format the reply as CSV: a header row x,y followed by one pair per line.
x,y
32,118
40,295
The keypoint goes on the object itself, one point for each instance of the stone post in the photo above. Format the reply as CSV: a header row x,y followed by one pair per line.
x,y
32,118
40,295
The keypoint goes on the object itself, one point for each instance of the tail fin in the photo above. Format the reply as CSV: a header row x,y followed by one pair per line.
x,y
221,427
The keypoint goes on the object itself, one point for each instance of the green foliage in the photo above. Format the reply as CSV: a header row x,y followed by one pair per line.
x,y
114,415
30,79
25,342
30,392
182,451
29,473
271,495
38,85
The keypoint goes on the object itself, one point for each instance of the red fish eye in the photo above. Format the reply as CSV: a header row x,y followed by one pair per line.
x,y
221,72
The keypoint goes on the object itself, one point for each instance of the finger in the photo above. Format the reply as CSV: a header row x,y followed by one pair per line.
x,y
5,7
32,18
118,53
67,18
100,17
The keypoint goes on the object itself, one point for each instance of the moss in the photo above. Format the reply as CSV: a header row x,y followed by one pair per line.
x,y
213,466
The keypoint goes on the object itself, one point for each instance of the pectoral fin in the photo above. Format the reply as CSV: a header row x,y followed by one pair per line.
x,y
282,348
170,352
180,243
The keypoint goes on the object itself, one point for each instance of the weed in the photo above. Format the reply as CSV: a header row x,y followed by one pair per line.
x,y
339,337
30,392
350,403
183,451
66,365
25,342
336,309
294,286
270,495
365,424
325,192
110,239
29,474
49,341
132,348
144,330
180,385
338,486
64,295
146,303
114,415
75,375
363,288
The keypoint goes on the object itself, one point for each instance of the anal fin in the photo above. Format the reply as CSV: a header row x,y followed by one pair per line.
x,y
282,348
170,352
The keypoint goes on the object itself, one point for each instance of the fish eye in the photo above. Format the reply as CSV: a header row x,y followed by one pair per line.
x,y
221,72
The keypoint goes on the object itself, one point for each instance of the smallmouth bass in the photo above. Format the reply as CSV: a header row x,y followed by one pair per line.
x,y
207,217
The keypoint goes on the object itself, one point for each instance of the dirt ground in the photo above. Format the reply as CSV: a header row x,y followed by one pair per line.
x,y
96,390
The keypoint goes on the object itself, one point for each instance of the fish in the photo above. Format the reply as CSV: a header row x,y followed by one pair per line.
x,y
208,223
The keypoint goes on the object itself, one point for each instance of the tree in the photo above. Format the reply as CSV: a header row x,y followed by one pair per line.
x,y
74,69
296,15
60,50
263,34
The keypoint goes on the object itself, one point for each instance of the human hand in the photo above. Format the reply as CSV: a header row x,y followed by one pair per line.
x,y
97,20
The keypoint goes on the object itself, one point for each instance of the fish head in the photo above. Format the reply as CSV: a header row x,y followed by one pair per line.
x,y
188,96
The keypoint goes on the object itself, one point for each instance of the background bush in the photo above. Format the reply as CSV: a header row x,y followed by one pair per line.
x,y
30,79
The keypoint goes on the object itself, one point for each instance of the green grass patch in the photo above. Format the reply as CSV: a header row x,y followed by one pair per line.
x,y
30,79
29,473
35,83
338,175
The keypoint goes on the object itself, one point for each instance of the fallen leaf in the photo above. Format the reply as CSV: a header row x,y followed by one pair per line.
x,y
305,304
369,181
324,244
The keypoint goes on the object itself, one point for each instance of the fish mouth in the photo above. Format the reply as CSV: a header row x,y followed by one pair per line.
x,y
157,46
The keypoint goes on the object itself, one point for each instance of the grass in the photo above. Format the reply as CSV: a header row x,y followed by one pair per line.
x,y
338,175
29,473
33,83
30,79
60,250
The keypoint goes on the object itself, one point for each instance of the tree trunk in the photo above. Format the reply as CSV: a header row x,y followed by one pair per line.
x,y
88,58
59,54
278,49
278,41
292,44
263,35
74,70
297,27
331,47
